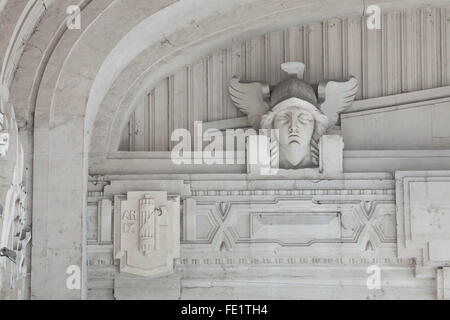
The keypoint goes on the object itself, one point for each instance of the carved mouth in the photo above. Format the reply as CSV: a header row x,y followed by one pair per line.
x,y
293,137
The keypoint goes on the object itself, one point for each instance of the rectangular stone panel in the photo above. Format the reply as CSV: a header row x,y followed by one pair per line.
x,y
386,128
423,218
430,210
295,227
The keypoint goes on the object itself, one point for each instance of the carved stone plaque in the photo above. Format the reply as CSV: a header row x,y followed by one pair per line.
x,y
146,232
423,219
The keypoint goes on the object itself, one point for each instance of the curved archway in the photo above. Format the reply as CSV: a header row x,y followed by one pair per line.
x,y
74,91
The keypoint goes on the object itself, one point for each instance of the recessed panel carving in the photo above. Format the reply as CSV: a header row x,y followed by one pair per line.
x,y
423,218
146,232
296,228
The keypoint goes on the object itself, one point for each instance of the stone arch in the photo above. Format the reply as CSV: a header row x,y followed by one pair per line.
x,y
331,49
83,86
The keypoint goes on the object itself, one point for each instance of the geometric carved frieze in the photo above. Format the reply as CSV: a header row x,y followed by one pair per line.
x,y
146,232
374,218
286,222
380,221
293,192
423,218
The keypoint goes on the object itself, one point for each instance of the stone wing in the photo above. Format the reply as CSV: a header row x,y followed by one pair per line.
x,y
335,97
250,99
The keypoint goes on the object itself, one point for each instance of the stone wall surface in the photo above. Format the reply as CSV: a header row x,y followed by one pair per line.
x,y
94,206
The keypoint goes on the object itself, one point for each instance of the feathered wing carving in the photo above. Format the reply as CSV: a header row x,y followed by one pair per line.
x,y
250,99
335,97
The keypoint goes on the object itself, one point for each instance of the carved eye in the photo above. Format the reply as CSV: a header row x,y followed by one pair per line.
x,y
305,117
282,118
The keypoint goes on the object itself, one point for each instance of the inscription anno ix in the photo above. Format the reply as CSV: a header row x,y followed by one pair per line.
x,y
129,221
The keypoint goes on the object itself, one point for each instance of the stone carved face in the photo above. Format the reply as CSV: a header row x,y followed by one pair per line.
x,y
300,125
296,127
301,113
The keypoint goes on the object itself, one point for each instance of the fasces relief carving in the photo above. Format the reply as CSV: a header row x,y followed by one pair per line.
x,y
146,238
151,221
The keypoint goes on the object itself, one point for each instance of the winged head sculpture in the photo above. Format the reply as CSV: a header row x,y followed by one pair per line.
x,y
300,113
